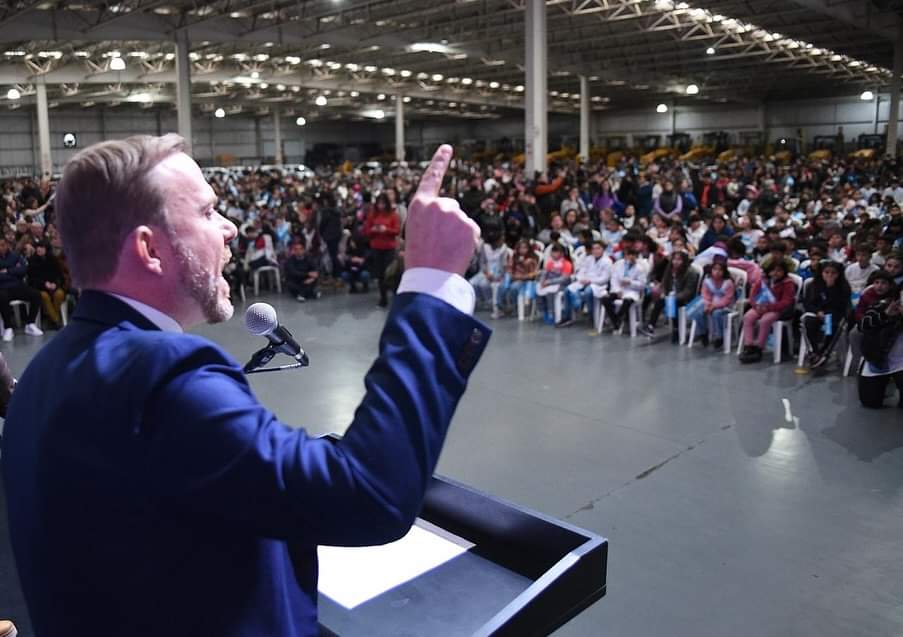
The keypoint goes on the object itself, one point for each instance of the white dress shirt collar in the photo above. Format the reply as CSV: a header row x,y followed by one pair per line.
x,y
164,321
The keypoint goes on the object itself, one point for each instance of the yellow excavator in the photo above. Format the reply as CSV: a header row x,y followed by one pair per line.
x,y
869,146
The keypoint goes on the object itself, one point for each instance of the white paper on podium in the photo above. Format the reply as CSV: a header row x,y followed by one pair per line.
x,y
352,576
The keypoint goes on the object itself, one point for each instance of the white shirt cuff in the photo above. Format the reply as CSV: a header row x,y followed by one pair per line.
x,y
452,288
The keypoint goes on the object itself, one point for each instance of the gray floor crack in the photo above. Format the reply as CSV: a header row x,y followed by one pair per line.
x,y
643,474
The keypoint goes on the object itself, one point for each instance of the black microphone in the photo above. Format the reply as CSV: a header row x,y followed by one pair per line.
x,y
260,319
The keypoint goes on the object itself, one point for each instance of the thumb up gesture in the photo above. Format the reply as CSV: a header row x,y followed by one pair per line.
x,y
437,232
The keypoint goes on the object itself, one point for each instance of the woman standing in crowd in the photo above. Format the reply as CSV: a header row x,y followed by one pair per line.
x,y
382,227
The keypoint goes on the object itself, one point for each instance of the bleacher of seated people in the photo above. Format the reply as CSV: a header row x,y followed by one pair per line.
x,y
801,259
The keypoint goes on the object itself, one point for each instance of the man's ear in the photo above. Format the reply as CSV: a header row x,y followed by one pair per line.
x,y
145,246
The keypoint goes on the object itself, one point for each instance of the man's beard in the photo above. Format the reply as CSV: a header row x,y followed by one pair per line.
x,y
201,286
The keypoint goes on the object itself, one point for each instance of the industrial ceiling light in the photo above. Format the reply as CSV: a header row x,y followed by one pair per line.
x,y
381,96
692,89
320,101
867,96
301,121
354,93
219,113
13,94
406,99
710,51
117,64
661,108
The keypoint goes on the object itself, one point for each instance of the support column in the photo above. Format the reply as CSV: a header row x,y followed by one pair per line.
x,y
536,133
584,118
44,130
672,112
277,131
258,140
876,114
183,88
894,114
399,128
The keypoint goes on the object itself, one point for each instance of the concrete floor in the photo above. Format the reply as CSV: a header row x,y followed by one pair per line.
x,y
737,500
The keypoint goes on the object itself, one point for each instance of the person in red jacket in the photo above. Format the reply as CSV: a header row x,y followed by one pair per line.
x,y
771,300
382,227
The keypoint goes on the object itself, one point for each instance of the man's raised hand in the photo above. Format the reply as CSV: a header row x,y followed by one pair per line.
x,y
437,232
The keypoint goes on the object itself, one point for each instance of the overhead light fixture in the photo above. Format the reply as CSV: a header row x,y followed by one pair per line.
x,y
293,59
429,47
406,99
661,108
493,85
300,121
370,68
255,75
324,46
354,94
374,113
466,81
140,98
264,85
710,51
692,89
117,64
320,101
388,71
381,96
280,87
519,88
438,77
13,94
867,96
405,73
219,113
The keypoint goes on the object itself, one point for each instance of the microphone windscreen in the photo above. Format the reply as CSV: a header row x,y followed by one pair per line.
x,y
260,319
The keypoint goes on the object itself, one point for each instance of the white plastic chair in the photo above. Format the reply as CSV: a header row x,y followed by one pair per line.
x,y
16,305
740,278
682,311
64,309
272,271
633,315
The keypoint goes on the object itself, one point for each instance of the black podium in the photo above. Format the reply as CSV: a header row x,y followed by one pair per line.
x,y
524,574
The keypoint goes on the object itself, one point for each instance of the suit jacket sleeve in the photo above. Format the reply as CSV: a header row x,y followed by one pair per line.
x,y
217,452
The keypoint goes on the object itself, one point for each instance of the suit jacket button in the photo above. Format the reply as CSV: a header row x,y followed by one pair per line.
x,y
476,337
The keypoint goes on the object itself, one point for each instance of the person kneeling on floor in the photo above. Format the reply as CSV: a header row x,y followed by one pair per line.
x,y
301,274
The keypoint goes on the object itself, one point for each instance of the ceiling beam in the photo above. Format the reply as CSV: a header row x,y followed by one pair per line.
x,y
861,15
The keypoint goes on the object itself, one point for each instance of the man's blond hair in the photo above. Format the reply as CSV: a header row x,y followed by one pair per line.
x,y
106,193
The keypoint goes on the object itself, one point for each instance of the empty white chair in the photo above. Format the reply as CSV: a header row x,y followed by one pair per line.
x,y
270,270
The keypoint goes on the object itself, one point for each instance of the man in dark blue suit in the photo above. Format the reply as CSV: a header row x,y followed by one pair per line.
x,y
149,492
